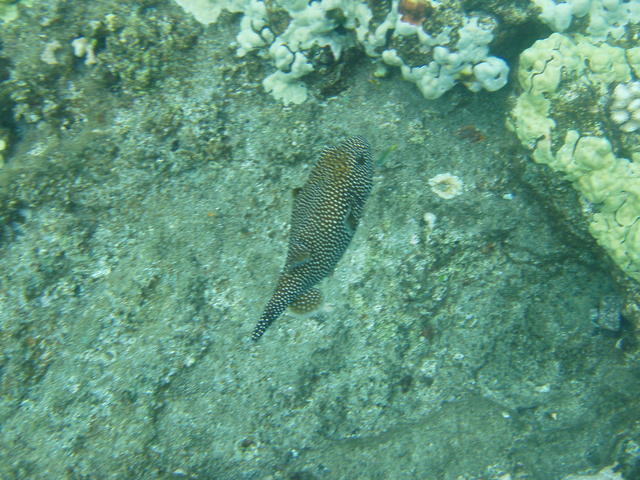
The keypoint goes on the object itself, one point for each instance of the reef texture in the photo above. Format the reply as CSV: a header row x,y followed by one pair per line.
x,y
435,44
144,204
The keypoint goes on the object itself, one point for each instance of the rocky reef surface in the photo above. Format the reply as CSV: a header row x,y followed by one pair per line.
x,y
474,329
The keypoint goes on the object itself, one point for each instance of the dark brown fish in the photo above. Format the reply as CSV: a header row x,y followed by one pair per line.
x,y
326,212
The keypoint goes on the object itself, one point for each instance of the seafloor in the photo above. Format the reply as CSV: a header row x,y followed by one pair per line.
x,y
145,203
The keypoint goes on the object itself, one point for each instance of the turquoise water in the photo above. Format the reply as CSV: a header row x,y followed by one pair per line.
x,y
146,201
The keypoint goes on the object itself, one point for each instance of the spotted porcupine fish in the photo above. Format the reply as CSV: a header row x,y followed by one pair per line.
x,y
326,212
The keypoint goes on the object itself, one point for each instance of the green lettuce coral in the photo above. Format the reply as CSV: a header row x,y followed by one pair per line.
x,y
562,116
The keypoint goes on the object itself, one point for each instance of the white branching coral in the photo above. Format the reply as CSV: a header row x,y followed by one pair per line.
x,y
605,17
435,44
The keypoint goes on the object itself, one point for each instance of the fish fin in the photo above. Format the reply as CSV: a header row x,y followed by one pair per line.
x,y
351,221
307,302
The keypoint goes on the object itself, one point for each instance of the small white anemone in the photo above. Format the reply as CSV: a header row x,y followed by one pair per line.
x,y
446,185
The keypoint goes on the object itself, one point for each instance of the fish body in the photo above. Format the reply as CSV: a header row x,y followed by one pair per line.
x,y
325,215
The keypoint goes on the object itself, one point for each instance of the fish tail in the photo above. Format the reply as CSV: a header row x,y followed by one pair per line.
x,y
274,309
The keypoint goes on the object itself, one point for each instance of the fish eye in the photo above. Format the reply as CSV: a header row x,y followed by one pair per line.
x,y
362,158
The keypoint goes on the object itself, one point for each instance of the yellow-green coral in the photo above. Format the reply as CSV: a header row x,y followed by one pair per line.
x,y
558,116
